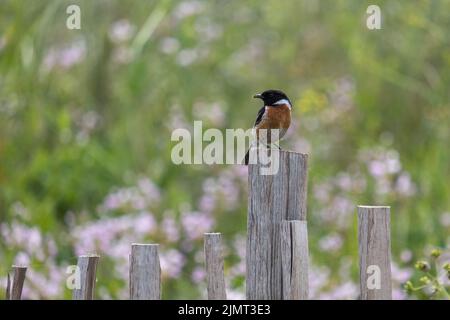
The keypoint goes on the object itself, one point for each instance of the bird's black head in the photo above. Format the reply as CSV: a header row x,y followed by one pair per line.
x,y
271,97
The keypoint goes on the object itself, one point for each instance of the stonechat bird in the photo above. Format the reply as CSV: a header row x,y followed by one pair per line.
x,y
275,114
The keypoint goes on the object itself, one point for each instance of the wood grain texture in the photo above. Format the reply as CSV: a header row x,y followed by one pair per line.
x,y
87,265
374,252
214,266
272,199
145,272
295,260
14,289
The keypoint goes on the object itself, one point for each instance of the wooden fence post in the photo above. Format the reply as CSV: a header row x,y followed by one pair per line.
x,y
374,252
145,272
214,266
14,292
294,258
87,266
272,199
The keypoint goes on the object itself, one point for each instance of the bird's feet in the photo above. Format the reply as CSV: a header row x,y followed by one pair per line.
x,y
272,145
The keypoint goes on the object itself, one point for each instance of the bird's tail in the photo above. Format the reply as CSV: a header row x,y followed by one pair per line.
x,y
246,158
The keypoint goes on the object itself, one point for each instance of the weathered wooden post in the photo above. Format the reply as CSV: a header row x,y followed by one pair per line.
x,y
294,259
14,292
272,199
374,252
87,267
214,266
145,272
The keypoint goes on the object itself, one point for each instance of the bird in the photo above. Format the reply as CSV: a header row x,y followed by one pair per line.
x,y
274,114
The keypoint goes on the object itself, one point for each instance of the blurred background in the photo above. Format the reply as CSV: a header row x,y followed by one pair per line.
x,y
86,118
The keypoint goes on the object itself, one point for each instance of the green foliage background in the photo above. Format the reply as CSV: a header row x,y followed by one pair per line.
x,y
400,101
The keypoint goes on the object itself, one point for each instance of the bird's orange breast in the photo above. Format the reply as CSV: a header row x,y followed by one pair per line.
x,y
278,117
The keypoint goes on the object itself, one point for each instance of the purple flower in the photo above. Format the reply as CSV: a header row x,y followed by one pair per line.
x,y
65,57
404,185
208,30
198,275
338,212
229,191
195,224
377,168
139,197
238,270
332,242
207,203
40,286
188,8
212,113
344,181
177,119
239,245
406,256
240,172
169,45
102,234
399,294
347,290
149,189
172,263
122,55
121,30
322,191
170,229
20,210
383,185
22,259
400,275
22,236
187,56
342,95
144,223
393,165
381,162
318,278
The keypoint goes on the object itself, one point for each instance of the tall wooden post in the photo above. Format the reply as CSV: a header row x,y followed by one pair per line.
x,y
14,291
294,259
214,266
374,252
87,265
145,272
272,199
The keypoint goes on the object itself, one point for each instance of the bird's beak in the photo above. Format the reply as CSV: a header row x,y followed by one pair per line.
x,y
259,96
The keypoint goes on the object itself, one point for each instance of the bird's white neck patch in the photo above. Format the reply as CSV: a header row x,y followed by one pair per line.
x,y
283,101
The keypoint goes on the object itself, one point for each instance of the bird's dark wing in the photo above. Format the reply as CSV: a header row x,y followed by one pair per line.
x,y
259,116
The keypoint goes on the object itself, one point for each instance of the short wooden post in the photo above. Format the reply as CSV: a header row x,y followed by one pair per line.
x,y
214,266
145,272
294,258
14,292
374,252
272,199
87,266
